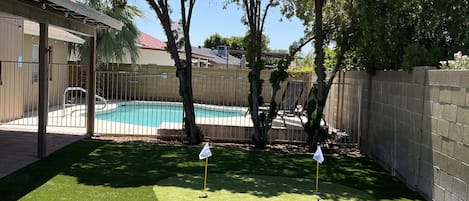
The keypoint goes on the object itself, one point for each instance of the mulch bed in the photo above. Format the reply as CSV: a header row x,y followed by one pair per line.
x,y
328,148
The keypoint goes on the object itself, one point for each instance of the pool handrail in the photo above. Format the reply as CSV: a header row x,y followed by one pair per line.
x,y
84,91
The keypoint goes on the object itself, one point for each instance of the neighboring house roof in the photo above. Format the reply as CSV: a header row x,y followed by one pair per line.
x,y
213,57
32,28
146,41
264,54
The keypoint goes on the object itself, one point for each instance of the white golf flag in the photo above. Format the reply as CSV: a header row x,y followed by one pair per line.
x,y
205,153
318,155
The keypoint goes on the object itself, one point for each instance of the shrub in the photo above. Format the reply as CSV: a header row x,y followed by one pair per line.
x,y
418,55
297,72
460,62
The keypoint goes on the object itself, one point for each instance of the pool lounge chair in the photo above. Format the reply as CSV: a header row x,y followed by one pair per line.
x,y
289,103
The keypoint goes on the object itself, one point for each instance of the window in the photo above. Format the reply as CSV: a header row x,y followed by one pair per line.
x,y
35,58
164,75
50,63
1,82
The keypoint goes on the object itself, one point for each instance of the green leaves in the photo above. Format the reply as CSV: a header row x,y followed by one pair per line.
x,y
111,45
402,34
380,34
234,42
417,55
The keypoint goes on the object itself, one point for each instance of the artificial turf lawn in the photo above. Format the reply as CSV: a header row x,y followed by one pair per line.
x,y
91,170
254,188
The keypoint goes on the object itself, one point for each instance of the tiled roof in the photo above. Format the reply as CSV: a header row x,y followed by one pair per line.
x,y
213,57
146,41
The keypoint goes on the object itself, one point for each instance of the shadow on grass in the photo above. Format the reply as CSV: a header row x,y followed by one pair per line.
x,y
25,180
250,187
135,165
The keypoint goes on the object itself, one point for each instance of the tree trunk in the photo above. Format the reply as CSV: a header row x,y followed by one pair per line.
x,y
258,135
185,86
320,73
183,69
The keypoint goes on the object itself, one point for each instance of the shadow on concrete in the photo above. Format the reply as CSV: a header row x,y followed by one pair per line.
x,y
18,149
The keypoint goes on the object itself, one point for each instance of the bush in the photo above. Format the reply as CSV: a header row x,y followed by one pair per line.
x,y
297,72
418,55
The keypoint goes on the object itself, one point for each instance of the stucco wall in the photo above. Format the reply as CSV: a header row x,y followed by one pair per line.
x,y
210,85
418,127
18,92
11,98
148,56
59,72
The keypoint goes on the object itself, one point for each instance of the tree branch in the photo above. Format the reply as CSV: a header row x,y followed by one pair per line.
x,y
258,14
155,7
161,9
247,7
189,16
301,46
183,13
338,63
265,14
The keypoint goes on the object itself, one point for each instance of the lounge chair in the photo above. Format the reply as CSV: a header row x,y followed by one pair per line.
x,y
289,103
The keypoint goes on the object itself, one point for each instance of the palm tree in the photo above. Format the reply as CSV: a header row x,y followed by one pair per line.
x,y
112,45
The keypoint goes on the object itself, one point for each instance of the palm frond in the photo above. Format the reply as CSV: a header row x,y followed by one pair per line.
x,y
113,45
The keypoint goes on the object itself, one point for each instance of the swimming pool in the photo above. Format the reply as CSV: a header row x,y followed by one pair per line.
x,y
153,114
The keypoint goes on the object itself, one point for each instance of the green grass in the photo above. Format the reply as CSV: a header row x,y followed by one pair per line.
x,y
254,188
89,170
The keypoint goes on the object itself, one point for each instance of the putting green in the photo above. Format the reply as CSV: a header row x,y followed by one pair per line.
x,y
253,188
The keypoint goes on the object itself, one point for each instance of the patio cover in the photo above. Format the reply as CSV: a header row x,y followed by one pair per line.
x,y
32,28
73,16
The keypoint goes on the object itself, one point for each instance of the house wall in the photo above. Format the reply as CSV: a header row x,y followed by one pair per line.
x,y
416,125
18,92
147,56
11,96
59,74
163,58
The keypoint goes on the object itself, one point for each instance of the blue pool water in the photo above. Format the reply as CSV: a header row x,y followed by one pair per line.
x,y
154,114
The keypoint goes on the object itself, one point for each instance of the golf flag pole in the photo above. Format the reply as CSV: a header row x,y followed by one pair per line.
x,y
317,176
205,177
319,158
204,154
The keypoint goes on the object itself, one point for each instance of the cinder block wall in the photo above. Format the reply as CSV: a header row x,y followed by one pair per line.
x,y
449,100
416,125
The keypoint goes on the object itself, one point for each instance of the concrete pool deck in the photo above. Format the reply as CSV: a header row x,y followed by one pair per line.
x,y
74,120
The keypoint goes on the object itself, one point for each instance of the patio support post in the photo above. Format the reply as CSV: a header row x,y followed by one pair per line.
x,y
43,89
91,88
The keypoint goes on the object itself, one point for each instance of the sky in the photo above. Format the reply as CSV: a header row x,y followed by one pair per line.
x,y
209,18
